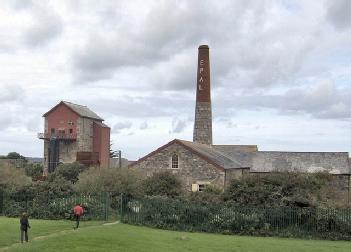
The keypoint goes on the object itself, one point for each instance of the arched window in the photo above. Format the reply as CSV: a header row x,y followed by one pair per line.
x,y
175,161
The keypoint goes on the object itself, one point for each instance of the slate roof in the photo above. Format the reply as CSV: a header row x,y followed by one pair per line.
x,y
82,111
211,153
246,156
206,152
242,154
308,162
101,124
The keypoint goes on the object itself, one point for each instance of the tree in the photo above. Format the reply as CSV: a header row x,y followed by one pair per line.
x,y
15,155
277,189
34,170
113,154
211,194
163,184
13,180
70,171
115,181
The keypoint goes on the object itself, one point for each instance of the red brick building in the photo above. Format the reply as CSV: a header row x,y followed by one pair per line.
x,y
74,133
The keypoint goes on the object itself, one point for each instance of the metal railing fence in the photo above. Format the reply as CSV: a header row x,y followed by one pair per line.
x,y
232,219
49,206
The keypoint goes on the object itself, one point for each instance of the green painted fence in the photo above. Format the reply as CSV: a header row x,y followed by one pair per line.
x,y
178,214
49,206
230,219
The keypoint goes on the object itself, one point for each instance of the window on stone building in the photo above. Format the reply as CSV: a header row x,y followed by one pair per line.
x,y
70,131
175,161
201,187
52,130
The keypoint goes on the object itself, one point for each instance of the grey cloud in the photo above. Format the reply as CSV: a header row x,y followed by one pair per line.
x,y
9,93
177,74
6,46
47,26
6,120
100,58
156,105
321,101
167,31
120,126
178,125
21,4
339,13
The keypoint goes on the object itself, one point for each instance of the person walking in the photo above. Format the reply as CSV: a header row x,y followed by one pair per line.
x,y
24,227
78,212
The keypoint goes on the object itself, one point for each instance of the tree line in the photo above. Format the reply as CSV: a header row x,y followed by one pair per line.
x,y
277,189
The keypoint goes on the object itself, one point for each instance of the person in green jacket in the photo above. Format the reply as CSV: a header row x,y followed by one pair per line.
x,y
24,227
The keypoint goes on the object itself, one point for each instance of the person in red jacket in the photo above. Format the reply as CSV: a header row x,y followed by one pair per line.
x,y
78,212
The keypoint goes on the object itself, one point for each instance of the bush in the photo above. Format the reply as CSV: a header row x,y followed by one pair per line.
x,y
211,194
279,189
12,179
33,170
70,171
176,214
115,181
163,184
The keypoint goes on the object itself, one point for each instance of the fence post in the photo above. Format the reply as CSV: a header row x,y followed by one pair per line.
x,y
121,206
1,202
106,205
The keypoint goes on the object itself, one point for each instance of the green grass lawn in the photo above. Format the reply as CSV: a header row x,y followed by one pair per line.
x,y
59,236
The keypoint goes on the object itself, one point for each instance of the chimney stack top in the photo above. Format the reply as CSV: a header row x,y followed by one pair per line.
x,y
203,47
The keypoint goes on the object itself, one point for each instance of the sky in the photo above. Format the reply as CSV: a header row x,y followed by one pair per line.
x,y
280,71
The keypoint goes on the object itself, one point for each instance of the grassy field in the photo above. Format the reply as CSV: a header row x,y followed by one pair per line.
x,y
93,236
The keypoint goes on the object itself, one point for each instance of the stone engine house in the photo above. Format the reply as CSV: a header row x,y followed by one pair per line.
x,y
74,133
201,162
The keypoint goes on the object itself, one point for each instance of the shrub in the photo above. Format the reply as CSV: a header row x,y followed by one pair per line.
x,y
70,171
163,184
279,189
114,181
33,170
12,179
211,194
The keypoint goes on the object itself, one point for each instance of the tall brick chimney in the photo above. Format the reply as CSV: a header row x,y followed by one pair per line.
x,y
203,113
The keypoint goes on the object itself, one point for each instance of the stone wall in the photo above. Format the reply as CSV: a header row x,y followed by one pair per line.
x,y
85,134
310,162
234,174
192,169
339,189
68,151
203,123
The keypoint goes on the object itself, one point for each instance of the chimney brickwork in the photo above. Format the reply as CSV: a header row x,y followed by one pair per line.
x,y
203,112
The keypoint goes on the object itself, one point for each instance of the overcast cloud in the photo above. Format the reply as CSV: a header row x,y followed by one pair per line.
x,y
273,64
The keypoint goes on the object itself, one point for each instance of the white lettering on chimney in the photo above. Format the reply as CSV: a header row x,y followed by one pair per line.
x,y
201,69
201,62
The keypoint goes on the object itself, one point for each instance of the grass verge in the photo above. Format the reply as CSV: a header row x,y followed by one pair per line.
x,y
93,236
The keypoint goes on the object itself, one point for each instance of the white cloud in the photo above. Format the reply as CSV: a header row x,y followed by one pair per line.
x,y
134,63
144,125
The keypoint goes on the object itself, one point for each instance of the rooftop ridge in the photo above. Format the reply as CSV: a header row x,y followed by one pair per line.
x,y
75,104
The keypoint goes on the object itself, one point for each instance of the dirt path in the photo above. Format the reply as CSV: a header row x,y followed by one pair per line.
x,y
53,235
